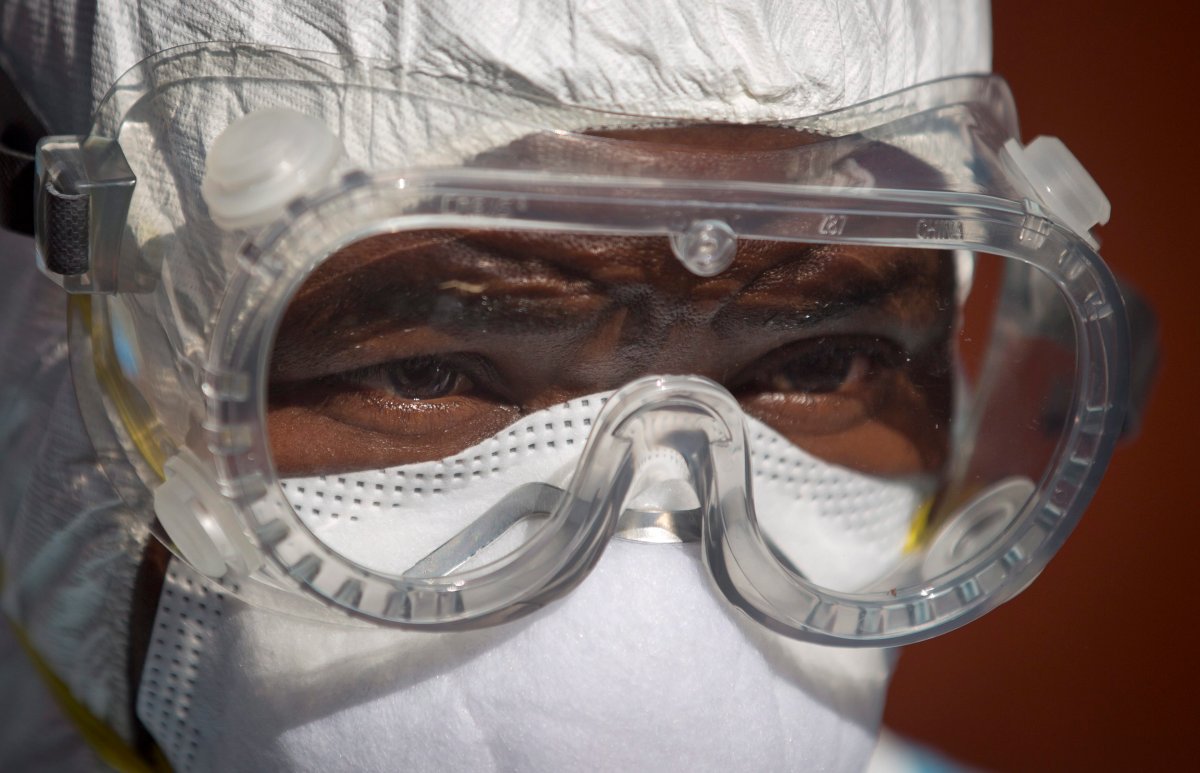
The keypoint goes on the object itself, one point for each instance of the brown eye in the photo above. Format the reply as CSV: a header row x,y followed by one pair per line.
x,y
822,368
848,400
414,378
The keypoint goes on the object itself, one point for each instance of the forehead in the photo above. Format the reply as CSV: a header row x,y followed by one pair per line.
x,y
521,261
697,151
725,152
565,263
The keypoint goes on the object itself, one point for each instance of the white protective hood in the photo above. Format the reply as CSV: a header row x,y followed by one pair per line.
x,y
70,546
728,60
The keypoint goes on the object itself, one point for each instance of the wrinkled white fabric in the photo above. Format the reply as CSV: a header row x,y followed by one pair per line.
x,y
642,667
72,546
841,528
35,734
733,60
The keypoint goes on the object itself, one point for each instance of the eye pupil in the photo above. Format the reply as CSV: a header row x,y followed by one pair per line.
x,y
422,378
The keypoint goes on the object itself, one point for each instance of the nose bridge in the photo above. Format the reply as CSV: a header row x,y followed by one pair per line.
x,y
661,411
701,422
675,429
664,456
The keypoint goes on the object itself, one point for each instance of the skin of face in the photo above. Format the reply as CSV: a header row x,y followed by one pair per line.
x,y
412,346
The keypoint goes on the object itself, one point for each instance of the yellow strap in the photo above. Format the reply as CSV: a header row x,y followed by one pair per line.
x,y
105,741
137,419
918,526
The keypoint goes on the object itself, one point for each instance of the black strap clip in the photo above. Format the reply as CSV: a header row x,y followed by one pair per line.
x,y
84,189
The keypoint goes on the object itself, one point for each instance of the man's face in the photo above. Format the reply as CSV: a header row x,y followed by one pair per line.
x,y
413,346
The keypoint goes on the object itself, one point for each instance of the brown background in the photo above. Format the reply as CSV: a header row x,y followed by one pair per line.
x,y
1096,665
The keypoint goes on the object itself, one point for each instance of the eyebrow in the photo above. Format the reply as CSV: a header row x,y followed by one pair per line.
x,y
542,281
548,284
884,303
411,284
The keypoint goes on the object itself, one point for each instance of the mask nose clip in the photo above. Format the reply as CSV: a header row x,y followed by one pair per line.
x,y
665,508
669,437
663,505
666,461
645,475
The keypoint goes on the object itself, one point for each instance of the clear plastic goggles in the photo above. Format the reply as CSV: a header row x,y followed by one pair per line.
x,y
421,348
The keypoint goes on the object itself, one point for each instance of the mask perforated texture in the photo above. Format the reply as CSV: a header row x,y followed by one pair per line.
x,y
188,613
831,521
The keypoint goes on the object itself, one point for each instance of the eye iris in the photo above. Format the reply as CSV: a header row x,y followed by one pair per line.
x,y
826,369
422,378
